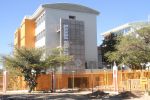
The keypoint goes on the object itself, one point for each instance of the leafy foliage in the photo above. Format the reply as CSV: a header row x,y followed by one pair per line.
x,y
57,58
108,45
133,49
27,62
30,63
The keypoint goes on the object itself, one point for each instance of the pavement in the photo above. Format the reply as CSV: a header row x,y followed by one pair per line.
x,y
43,96
83,95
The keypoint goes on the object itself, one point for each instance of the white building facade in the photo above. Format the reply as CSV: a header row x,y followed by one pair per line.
x,y
70,26
126,28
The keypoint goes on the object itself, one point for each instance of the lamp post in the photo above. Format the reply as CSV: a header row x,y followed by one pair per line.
x,y
53,83
73,80
142,64
92,76
104,77
33,71
122,76
148,80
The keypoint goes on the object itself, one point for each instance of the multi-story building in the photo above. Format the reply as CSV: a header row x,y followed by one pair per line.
x,y
25,34
110,34
70,26
125,29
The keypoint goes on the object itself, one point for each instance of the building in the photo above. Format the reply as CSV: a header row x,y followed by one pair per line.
x,y
125,29
25,34
70,26
110,34
100,64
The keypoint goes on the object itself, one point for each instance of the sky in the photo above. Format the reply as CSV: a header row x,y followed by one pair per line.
x,y
112,14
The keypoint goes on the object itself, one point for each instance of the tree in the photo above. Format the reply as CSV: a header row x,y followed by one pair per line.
x,y
133,49
28,62
1,71
108,45
57,59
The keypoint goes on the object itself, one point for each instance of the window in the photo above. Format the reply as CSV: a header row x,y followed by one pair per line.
x,y
40,35
72,17
40,19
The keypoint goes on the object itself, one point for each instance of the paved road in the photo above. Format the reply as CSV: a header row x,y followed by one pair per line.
x,y
43,97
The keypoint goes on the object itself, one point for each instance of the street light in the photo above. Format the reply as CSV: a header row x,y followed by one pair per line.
x,y
105,76
53,81
33,71
92,75
122,67
142,64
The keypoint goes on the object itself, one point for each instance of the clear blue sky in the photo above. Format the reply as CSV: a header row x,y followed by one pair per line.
x,y
113,13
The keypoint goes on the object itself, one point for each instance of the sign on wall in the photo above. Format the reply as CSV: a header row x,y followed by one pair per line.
x,y
66,40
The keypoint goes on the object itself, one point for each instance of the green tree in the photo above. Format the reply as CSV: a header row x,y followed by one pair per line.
x,y
27,62
108,45
133,49
30,63
57,59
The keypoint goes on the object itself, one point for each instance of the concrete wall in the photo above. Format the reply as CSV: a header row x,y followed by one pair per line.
x,y
27,33
52,23
17,38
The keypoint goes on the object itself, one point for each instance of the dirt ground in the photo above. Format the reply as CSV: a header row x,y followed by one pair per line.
x,y
84,95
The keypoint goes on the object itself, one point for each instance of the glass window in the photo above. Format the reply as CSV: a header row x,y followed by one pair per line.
x,y
72,17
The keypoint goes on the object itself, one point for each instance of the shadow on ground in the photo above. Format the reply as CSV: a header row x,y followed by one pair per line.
x,y
120,96
98,95
42,97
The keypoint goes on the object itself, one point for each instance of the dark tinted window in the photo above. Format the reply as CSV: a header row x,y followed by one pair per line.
x,y
72,17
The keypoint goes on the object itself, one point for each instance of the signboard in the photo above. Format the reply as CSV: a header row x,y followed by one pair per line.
x,y
66,40
65,32
143,81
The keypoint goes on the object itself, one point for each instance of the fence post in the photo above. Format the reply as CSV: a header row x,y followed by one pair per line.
x,y
4,81
130,84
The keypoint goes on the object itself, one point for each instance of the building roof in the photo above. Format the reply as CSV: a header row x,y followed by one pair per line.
x,y
64,6
115,29
71,7
134,25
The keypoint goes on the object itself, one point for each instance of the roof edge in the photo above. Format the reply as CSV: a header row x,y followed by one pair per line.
x,y
63,6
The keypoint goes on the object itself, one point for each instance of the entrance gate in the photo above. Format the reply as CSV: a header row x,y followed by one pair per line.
x,y
79,82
